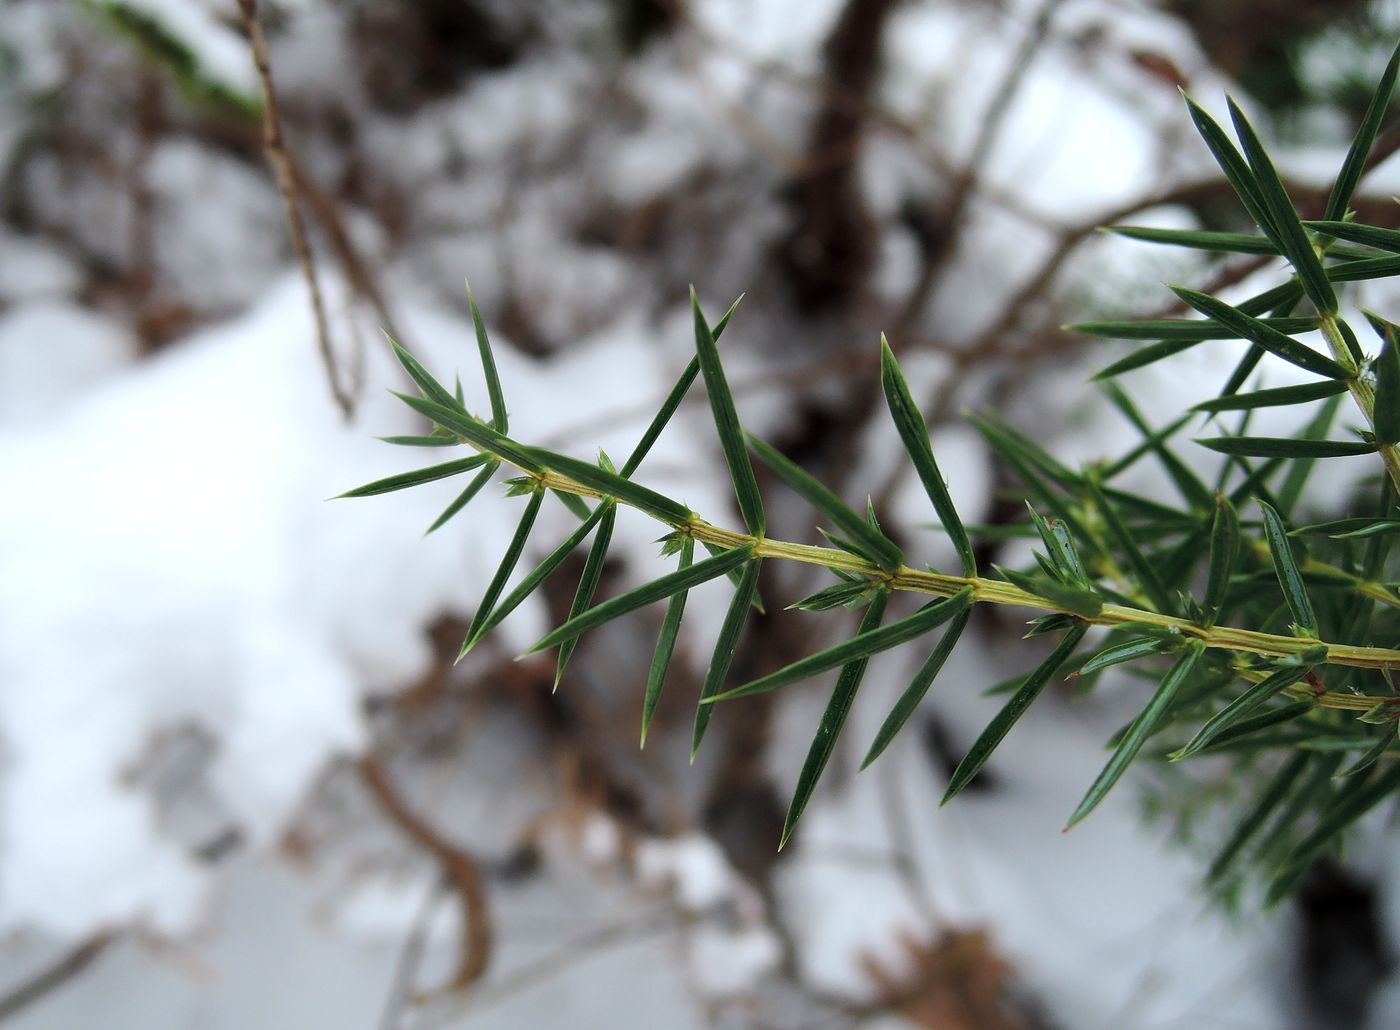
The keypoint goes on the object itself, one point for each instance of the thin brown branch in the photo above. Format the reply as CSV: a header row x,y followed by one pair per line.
x,y
406,969
792,161
1000,339
47,980
939,240
558,960
958,982
460,868
828,251
358,271
280,159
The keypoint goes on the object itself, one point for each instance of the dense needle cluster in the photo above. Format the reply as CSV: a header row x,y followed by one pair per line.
x,y
1259,631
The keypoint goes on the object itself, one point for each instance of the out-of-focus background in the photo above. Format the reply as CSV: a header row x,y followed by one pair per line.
x,y
242,783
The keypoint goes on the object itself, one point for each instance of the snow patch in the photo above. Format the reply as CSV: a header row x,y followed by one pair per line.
x,y
51,353
693,865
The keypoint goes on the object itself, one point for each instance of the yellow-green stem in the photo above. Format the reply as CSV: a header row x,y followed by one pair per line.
x,y
1227,638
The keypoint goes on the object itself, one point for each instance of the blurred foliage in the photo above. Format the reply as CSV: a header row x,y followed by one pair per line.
x,y
1256,626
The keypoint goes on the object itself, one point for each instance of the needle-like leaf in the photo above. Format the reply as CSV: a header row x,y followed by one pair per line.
x,y
1000,726
427,475
1144,356
1355,163
1078,600
671,403
1009,441
1150,445
731,435
736,576
1283,395
610,484
871,543
1255,724
1141,728
1243,369
1218,242
1186,330
639,597
923,679
1285,447
1258,331
1237,171
503,571
1286,494
1127,651
450,417
1367,235
833,719
1034,467
1143,569
913,431
1386,417
863,645
500,420
587,582
666,642
1281,298
1314,794
1348,336
1224,548
1187,483
1342,529
1384,742
1241,707
1351,803
436,440
1062,556
432,389
663,416
536,576
1364,270
834,596
725,646
464,498
574,503
1286,567
1283,216
1269,800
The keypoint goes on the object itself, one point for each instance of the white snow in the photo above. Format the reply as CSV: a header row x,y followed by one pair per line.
x,y
693,865
52,352
35,270
180,566
726,963
769,31
215,256
222,54
1110,896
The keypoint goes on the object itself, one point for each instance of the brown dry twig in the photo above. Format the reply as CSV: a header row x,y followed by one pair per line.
x,y
70,964
940,240
462,871
830,245
359,272
282,167
958,983
406,969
